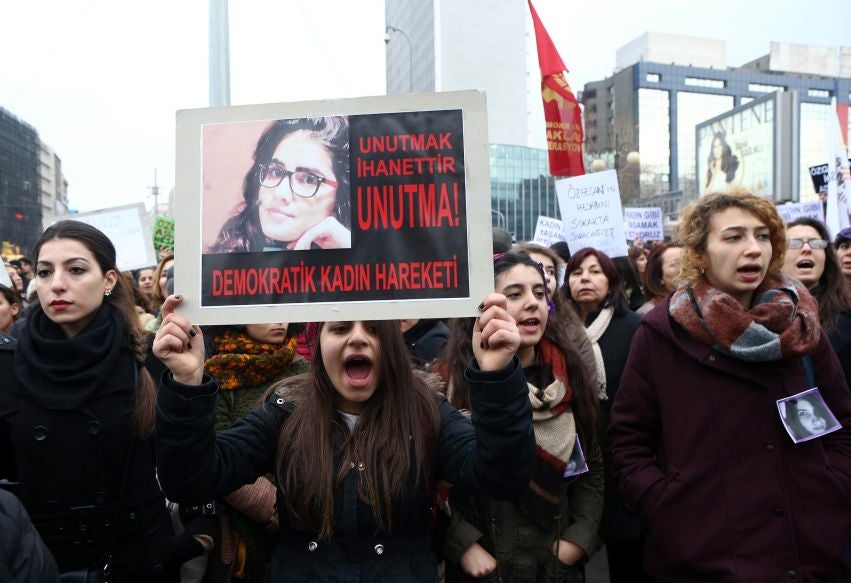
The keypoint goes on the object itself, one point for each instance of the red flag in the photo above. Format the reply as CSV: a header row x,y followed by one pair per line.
x,y
561,111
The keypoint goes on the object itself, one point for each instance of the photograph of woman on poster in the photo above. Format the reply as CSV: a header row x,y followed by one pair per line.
x,y
808,417
296,193
722,165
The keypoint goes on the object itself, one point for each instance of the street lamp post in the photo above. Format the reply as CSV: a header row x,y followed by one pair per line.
x,y
387,30
601,161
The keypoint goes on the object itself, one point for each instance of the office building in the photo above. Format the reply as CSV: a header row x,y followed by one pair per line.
x,y
665,85
33,189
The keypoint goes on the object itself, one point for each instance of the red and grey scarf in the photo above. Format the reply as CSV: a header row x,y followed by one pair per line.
x,y
555,435
782,323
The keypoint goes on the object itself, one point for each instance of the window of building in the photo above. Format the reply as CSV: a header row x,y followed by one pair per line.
x,y
819,93
653,77
745,100
653,141
813,145
762,88
700,82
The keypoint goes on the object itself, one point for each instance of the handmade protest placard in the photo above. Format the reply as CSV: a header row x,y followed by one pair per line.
x,y
795,210
643,223
129,230
590,207
369,208
549,231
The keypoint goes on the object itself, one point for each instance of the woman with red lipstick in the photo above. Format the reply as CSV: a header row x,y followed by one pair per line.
x,y
699,445
552,526
77,415
246,361
357,444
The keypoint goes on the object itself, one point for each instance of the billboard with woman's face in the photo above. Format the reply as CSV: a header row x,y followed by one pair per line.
x,y
354,209
737,149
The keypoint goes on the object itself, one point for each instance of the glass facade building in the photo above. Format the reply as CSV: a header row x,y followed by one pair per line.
x,y
653,108
20,190
521,189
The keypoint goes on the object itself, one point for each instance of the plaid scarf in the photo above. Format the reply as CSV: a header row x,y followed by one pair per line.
x,y
782,323
555,435
241,362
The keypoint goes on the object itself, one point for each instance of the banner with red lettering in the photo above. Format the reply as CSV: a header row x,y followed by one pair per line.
x,y
353,209
561,111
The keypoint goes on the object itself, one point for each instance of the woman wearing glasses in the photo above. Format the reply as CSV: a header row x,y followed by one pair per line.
x,y
811,259
296,194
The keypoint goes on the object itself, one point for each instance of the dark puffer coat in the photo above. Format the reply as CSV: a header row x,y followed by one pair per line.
x,y
491,455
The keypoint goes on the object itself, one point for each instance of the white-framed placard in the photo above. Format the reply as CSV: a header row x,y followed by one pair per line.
x,y
365,208
590,207
129,230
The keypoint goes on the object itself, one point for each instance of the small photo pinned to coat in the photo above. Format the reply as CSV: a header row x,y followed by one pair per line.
x,y
576,463
806,416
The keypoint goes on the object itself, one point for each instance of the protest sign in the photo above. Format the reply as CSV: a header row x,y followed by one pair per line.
x,y
818,174
643,223
5,279
128,229
590,207
795,210
368,208
549,231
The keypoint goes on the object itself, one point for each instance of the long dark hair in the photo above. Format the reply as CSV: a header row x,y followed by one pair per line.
x,y
121,298
393,438
614,298
729,162
832,293
242,232
459,350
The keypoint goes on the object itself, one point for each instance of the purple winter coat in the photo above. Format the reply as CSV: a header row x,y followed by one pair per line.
x,y
701,454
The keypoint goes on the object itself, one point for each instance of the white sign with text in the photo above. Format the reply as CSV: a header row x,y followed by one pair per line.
x,y
643,223
592,215
795,210
128,229
549,231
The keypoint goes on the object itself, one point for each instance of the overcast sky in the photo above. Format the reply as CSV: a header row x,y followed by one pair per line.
x,y
101,80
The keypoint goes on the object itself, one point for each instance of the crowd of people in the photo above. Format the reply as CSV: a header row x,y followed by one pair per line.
x,y
686,406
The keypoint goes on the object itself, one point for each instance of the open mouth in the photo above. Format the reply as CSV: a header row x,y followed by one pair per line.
x,y
358,368
750,269
805,264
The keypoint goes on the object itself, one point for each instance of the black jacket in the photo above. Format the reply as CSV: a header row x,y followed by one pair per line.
x,y
70,466
23,556
425,340
495,458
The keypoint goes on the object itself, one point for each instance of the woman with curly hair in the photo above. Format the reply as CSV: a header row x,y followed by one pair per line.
x,y
700,449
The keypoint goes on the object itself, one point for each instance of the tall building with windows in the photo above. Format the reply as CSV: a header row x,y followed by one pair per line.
x,y
665,85
446,45
33,188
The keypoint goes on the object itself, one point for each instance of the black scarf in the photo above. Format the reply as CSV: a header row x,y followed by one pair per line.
x,y
64,373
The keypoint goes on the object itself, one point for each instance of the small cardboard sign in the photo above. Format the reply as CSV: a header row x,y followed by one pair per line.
x,y
643,223
796,210
549,231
